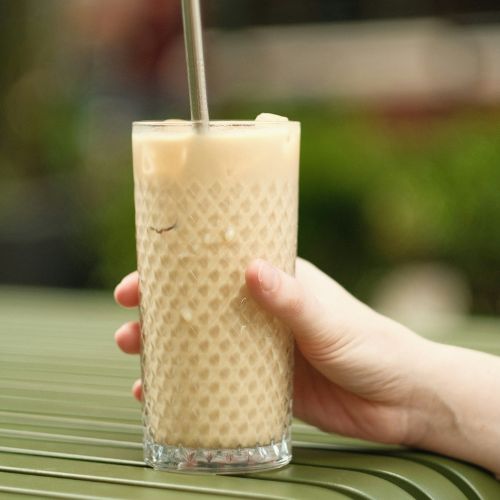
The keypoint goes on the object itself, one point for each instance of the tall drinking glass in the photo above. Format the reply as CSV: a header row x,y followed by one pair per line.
x,y
216,369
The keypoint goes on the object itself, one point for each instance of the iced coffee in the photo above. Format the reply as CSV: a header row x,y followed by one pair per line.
x,y
217,370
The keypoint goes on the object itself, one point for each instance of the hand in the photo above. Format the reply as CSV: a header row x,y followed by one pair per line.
x,y
350,373
351,365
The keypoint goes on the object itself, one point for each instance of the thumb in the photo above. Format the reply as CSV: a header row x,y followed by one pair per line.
x,y
284,297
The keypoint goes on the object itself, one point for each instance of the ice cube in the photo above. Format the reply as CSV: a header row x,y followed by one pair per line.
x,y
173,121
269,117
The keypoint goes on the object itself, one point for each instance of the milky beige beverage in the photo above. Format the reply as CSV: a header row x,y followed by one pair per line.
x,y
217,370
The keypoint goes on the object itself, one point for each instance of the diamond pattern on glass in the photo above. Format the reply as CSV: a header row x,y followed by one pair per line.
x,y
216,369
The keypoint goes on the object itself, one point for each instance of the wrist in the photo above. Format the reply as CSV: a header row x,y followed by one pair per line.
x,y
429,412
417,365
454,407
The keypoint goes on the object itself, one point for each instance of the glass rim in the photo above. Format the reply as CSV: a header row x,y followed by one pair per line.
x,y
214,123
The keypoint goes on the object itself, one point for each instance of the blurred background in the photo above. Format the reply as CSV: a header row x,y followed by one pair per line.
x,y
400,111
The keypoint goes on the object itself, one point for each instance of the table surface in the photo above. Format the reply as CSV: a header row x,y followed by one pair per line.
x,y
69,427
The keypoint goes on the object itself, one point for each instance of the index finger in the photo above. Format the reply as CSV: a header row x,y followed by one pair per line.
x,y
127,291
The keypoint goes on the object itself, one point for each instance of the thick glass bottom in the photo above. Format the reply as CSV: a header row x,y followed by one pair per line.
x,y
217,460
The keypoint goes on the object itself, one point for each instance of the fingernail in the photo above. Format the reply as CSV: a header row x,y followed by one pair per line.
x,y
268,277
115,290
118,284
125,280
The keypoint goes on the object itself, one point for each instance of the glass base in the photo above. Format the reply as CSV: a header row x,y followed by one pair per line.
x,y
217,460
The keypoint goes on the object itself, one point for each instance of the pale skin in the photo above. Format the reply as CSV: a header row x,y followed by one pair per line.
x,y
360,374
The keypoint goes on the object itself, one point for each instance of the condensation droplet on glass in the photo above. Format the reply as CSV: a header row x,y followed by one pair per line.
x,y
183,256
195,248
184,153
243,303
148,165
229,234
207,239
186,314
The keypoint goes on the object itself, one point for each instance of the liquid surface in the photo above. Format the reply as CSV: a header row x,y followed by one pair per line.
x,y
217,371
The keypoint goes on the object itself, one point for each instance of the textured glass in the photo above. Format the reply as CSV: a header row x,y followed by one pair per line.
x,y
217,370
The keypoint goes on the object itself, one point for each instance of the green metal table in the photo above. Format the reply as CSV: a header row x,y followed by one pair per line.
x,y
69,427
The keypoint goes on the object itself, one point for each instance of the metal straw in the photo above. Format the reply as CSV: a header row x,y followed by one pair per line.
x,y
193,42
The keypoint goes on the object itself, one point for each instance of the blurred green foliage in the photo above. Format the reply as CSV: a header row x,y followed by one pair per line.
x,y
386,190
